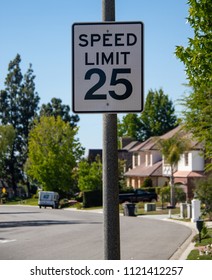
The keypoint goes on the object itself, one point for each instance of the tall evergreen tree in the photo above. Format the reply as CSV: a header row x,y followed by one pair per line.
x,y
157,118
130,126
18,106
28,100
55,108
9,96
7,136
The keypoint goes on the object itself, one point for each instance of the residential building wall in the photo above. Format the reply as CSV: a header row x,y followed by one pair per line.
x,y
136,182
152,157
156,156
187,172
191,161
137,159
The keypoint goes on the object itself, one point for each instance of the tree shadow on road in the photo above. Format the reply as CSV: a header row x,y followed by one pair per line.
x,y
35,223
12,213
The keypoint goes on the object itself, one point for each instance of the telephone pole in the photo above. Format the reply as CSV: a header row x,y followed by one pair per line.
x,y
110,169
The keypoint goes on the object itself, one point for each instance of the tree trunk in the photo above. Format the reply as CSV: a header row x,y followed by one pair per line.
x,y
172,194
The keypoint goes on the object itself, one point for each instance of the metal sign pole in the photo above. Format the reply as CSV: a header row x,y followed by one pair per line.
x,y
110,169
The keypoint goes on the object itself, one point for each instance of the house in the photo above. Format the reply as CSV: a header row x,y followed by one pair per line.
x,y
124,153
147,161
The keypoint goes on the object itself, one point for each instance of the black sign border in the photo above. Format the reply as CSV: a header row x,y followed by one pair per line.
x,y
142,67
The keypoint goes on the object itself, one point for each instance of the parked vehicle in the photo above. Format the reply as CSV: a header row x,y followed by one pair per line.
x,y
48,199
138,195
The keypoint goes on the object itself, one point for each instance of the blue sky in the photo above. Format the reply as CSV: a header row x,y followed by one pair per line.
x,y
40,31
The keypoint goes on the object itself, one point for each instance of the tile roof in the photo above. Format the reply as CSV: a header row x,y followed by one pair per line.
x,y
172,132
144,171
185,174
131,145
150,144
146,145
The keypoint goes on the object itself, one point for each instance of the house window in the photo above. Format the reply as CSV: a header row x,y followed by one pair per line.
x,y
186,159
148,159
135,159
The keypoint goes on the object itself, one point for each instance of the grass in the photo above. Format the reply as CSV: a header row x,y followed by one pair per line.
x,y
160,210
19,201
195,254
139,209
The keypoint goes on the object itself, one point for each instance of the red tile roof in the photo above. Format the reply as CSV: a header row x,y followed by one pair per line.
x,y
185,174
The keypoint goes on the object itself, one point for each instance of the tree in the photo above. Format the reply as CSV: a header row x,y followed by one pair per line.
x,y
204,193
130,126
90,175
121,170
180,195
18,106
7,136
172,149
157,118
28,101
9,96
147,183
197,60
53,154
56,108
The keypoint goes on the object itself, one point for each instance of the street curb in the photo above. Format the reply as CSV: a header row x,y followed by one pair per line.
x,y
184,250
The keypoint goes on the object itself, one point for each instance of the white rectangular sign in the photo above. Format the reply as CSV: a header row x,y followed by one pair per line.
x,y
107,67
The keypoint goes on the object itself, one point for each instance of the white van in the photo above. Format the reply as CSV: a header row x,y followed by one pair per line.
x,y
48,199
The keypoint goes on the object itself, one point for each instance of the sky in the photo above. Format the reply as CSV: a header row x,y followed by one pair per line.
x,y
40,31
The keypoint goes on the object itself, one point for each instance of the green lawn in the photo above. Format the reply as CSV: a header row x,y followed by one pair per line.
x,y
19,201
139,209
195,255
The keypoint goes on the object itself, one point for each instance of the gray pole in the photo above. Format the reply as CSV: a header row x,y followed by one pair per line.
x,y
110,169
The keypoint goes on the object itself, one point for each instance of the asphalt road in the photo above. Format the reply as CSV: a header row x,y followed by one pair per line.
x,y
30,233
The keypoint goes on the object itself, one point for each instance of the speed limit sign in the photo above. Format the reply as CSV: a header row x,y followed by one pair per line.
x,y
107,67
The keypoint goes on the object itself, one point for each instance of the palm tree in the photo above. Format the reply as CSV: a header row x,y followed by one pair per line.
x,y
172,149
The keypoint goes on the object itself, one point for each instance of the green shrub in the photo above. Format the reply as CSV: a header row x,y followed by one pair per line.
x,y
180,195
35,196
78,205
92,198
147,183
140,205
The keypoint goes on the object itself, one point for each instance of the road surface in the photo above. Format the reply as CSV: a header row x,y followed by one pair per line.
x,y
30,233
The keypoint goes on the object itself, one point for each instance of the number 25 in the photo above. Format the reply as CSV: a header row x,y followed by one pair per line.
x,y
113,82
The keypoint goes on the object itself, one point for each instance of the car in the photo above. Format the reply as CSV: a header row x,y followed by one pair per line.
x,y
137,196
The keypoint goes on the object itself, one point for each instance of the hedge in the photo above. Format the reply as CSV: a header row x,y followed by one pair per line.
x,y
92,198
